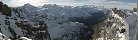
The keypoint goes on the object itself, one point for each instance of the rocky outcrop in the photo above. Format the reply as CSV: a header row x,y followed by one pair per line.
x,y
39,33
113,28
5,9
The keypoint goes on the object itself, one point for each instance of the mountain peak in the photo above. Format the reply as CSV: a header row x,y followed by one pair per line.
x,y
28,5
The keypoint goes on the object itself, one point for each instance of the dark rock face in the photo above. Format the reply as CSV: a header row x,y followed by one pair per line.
x,y
121,13
5,9
40,33
95,18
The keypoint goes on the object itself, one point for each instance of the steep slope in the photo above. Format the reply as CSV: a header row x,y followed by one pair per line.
x,y
15,27
118,26
51,22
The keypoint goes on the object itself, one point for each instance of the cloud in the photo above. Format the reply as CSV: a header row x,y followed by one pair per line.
x,y
106,3
126,1
112,4
89,1
22,2
40,2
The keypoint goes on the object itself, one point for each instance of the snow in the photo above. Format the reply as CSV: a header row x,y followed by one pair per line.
x,y
42,9
58,30
123,37
128,24
25,38
3,37
56,17
3,26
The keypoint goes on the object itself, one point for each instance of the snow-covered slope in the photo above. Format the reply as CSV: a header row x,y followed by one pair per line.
x,y
110,29
53,22
119,25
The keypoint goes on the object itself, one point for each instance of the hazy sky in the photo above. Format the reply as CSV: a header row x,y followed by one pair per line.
x,y
127,4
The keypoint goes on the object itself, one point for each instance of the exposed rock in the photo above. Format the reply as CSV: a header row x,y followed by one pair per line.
x,y
5,9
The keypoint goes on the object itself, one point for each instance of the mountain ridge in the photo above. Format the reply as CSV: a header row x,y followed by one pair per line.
x,y
53,22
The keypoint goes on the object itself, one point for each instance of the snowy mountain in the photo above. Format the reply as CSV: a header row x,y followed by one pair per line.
x,y
50,22
120,25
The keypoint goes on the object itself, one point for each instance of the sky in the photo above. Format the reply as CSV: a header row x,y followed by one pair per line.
x,y
126,4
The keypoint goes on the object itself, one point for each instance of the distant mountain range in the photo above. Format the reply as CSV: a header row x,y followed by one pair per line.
x,y
50,22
